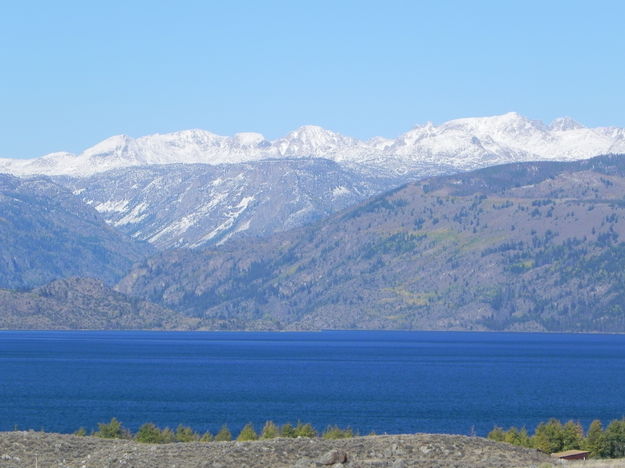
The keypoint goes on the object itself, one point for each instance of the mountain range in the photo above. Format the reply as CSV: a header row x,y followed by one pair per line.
x,y
461,144
47,233
317,230
195,189
527,246
194,205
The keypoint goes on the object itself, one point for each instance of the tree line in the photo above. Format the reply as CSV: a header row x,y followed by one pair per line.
x,y
151,433
554,436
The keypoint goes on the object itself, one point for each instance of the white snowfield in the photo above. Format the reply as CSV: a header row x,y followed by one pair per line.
x,y
461,144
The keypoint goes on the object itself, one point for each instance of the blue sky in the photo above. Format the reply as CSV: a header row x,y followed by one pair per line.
x,y
73,72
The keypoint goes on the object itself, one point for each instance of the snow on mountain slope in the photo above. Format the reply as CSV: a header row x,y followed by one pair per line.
x,y
194,205
460,144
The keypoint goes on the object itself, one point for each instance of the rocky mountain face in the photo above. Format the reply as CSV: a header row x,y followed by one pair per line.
x,y
193,205
47,233
461,144
532,246
76,303
194,188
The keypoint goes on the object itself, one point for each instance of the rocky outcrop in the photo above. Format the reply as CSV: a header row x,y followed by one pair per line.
x,y
82,303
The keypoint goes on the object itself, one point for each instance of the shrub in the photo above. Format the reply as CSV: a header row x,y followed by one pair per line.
x,y
149,434
334,432
305,430
112,430
497,434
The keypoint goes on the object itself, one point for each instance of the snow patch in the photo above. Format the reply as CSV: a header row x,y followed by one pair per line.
x,y
340,190
118,206
135,216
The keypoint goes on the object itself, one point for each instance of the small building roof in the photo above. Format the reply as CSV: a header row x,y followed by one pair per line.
x,y
570,453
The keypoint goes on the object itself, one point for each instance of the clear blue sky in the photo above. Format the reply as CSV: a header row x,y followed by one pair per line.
x,y
75,72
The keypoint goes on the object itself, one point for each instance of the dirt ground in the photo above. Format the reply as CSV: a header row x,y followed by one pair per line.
x,y
43,450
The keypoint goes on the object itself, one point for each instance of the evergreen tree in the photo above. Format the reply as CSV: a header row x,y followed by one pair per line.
x,y
614,440
572,436
548,436
168,436
247,433
517,437
497,434
224,434
186,434
270,431
287,430
594,439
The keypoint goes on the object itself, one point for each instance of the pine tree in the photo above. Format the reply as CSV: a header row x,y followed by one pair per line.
x,y
224,434
186,434
270,431
247,433
594,439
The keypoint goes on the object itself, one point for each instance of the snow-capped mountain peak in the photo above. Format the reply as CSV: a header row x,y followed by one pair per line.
x,y
314,141
249,140
563,124
112,146
459,144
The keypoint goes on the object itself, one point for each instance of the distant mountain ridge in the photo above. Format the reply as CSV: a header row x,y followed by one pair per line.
x,y
461,144
195,205
47,233
526,247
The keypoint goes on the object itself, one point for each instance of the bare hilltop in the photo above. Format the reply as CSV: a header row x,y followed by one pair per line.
x,y
37,449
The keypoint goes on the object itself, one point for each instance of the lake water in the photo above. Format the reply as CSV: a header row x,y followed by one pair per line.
x,y
390,382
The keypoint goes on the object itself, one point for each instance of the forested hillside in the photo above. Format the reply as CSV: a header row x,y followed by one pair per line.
x,y
529,246
47,233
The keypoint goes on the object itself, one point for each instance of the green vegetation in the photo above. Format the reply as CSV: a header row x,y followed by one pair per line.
x,y
247,433
223,435
270,431
549,437
112,430
553,436
334,432
149,433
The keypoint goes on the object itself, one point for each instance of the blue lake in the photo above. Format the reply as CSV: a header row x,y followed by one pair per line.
x,y
390,382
